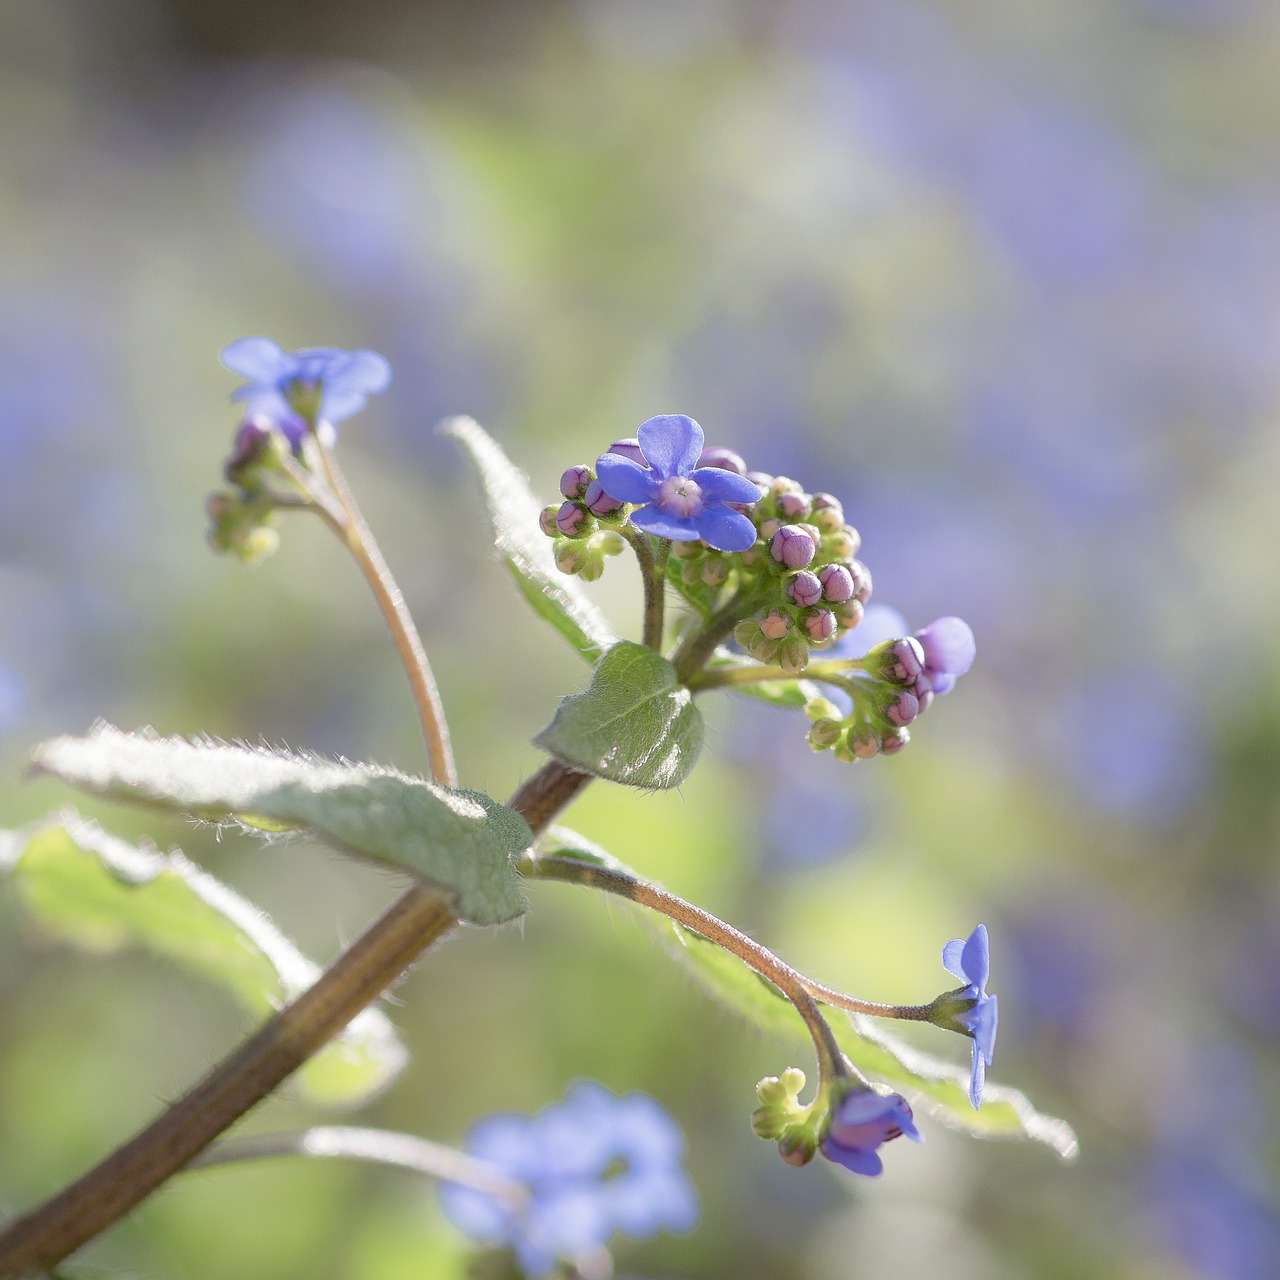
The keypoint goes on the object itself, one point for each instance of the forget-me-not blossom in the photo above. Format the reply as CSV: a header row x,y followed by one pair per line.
x,y
300,388
970,961
674,497
863,1122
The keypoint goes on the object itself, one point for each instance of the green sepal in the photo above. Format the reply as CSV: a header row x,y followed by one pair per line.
x,y
463,842
701,597
636,724
525,549
94,891
937,1087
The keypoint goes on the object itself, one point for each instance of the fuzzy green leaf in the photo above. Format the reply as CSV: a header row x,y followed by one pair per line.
x,y
460,841
636,724
526,550
938,1087
88,888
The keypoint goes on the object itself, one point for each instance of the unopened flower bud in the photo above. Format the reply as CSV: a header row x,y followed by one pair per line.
x,y
863,742
629,448
592,568
793,506
607,542
598,502
828,514
793,655
775,624
547,521
784,484
769,527
768,1122
902,708
691,573
893,742
841,543
573,484
901,661
746,631
805,589
725,459
761,478
824,734
925,699
686,550
715,571
797,1146
762,649
821,709
849,614
861,580
574,521
820,626
836,582
793,547
570,556
751,557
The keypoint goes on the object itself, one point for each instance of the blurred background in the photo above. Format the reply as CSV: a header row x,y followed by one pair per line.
x,y
1006,278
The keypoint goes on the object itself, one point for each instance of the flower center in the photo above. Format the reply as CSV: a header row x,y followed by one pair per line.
x,y
680,496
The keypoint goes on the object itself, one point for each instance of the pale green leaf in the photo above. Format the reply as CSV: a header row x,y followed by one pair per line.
x,y
461,841
88,888
526,550
938,1087
636,724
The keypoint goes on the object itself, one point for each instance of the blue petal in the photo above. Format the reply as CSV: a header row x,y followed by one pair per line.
x,y
656,521
672,444
978,1078
258,359
719,485
338,403
624,480
724,528
983,1020
367,370
953,959
855,1159
977,957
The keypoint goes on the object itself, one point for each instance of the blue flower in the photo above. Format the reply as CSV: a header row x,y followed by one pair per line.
x,y
949,651
863,1122
593,1164
676,498
970,961
300,388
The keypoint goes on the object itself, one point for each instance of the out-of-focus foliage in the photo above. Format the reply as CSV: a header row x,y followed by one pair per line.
x,y
1004,278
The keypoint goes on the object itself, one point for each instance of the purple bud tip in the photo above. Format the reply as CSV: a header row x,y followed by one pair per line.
x,y
598,502
949,647
793,547
571,519
825,502
629,448
573,484
805,589
894,741
861,581
820,626
775,625
725,459
904,661
793,506
903,709
547,521
849,614
837,583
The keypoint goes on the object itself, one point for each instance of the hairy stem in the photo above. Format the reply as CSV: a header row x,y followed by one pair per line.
x,y
730,677
696,649
651,554
831,1060
377,1146
44,1236
348,523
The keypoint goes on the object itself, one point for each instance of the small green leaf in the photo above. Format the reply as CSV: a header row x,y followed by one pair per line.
x,y
636,724
938,1087
526,550
460,841
777,693
96,892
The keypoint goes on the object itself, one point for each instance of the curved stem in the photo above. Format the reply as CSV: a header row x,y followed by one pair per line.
x,y
831,1060
694,652
348,523
376,1146
45,1235
652,556
730,677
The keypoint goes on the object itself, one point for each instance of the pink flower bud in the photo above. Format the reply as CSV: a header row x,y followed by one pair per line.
x,y
573,484
793,547
837,583
598,502
805,588
572,520
820,626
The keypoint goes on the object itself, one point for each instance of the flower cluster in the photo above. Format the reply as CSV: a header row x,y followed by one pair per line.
x,y
787,556
593,1164
288,396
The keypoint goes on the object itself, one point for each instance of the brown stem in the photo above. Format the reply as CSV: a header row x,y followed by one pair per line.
x,y
45,1235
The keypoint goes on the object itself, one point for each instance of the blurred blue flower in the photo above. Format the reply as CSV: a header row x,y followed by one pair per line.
x,y
970,961
313,384
863,1122
675,497
593,1164
949,651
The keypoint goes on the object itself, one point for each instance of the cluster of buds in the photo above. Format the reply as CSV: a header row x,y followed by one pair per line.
x,y
242,519
814,589
584,526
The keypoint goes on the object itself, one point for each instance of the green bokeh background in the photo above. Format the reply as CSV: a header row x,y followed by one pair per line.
x,y
1007,278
